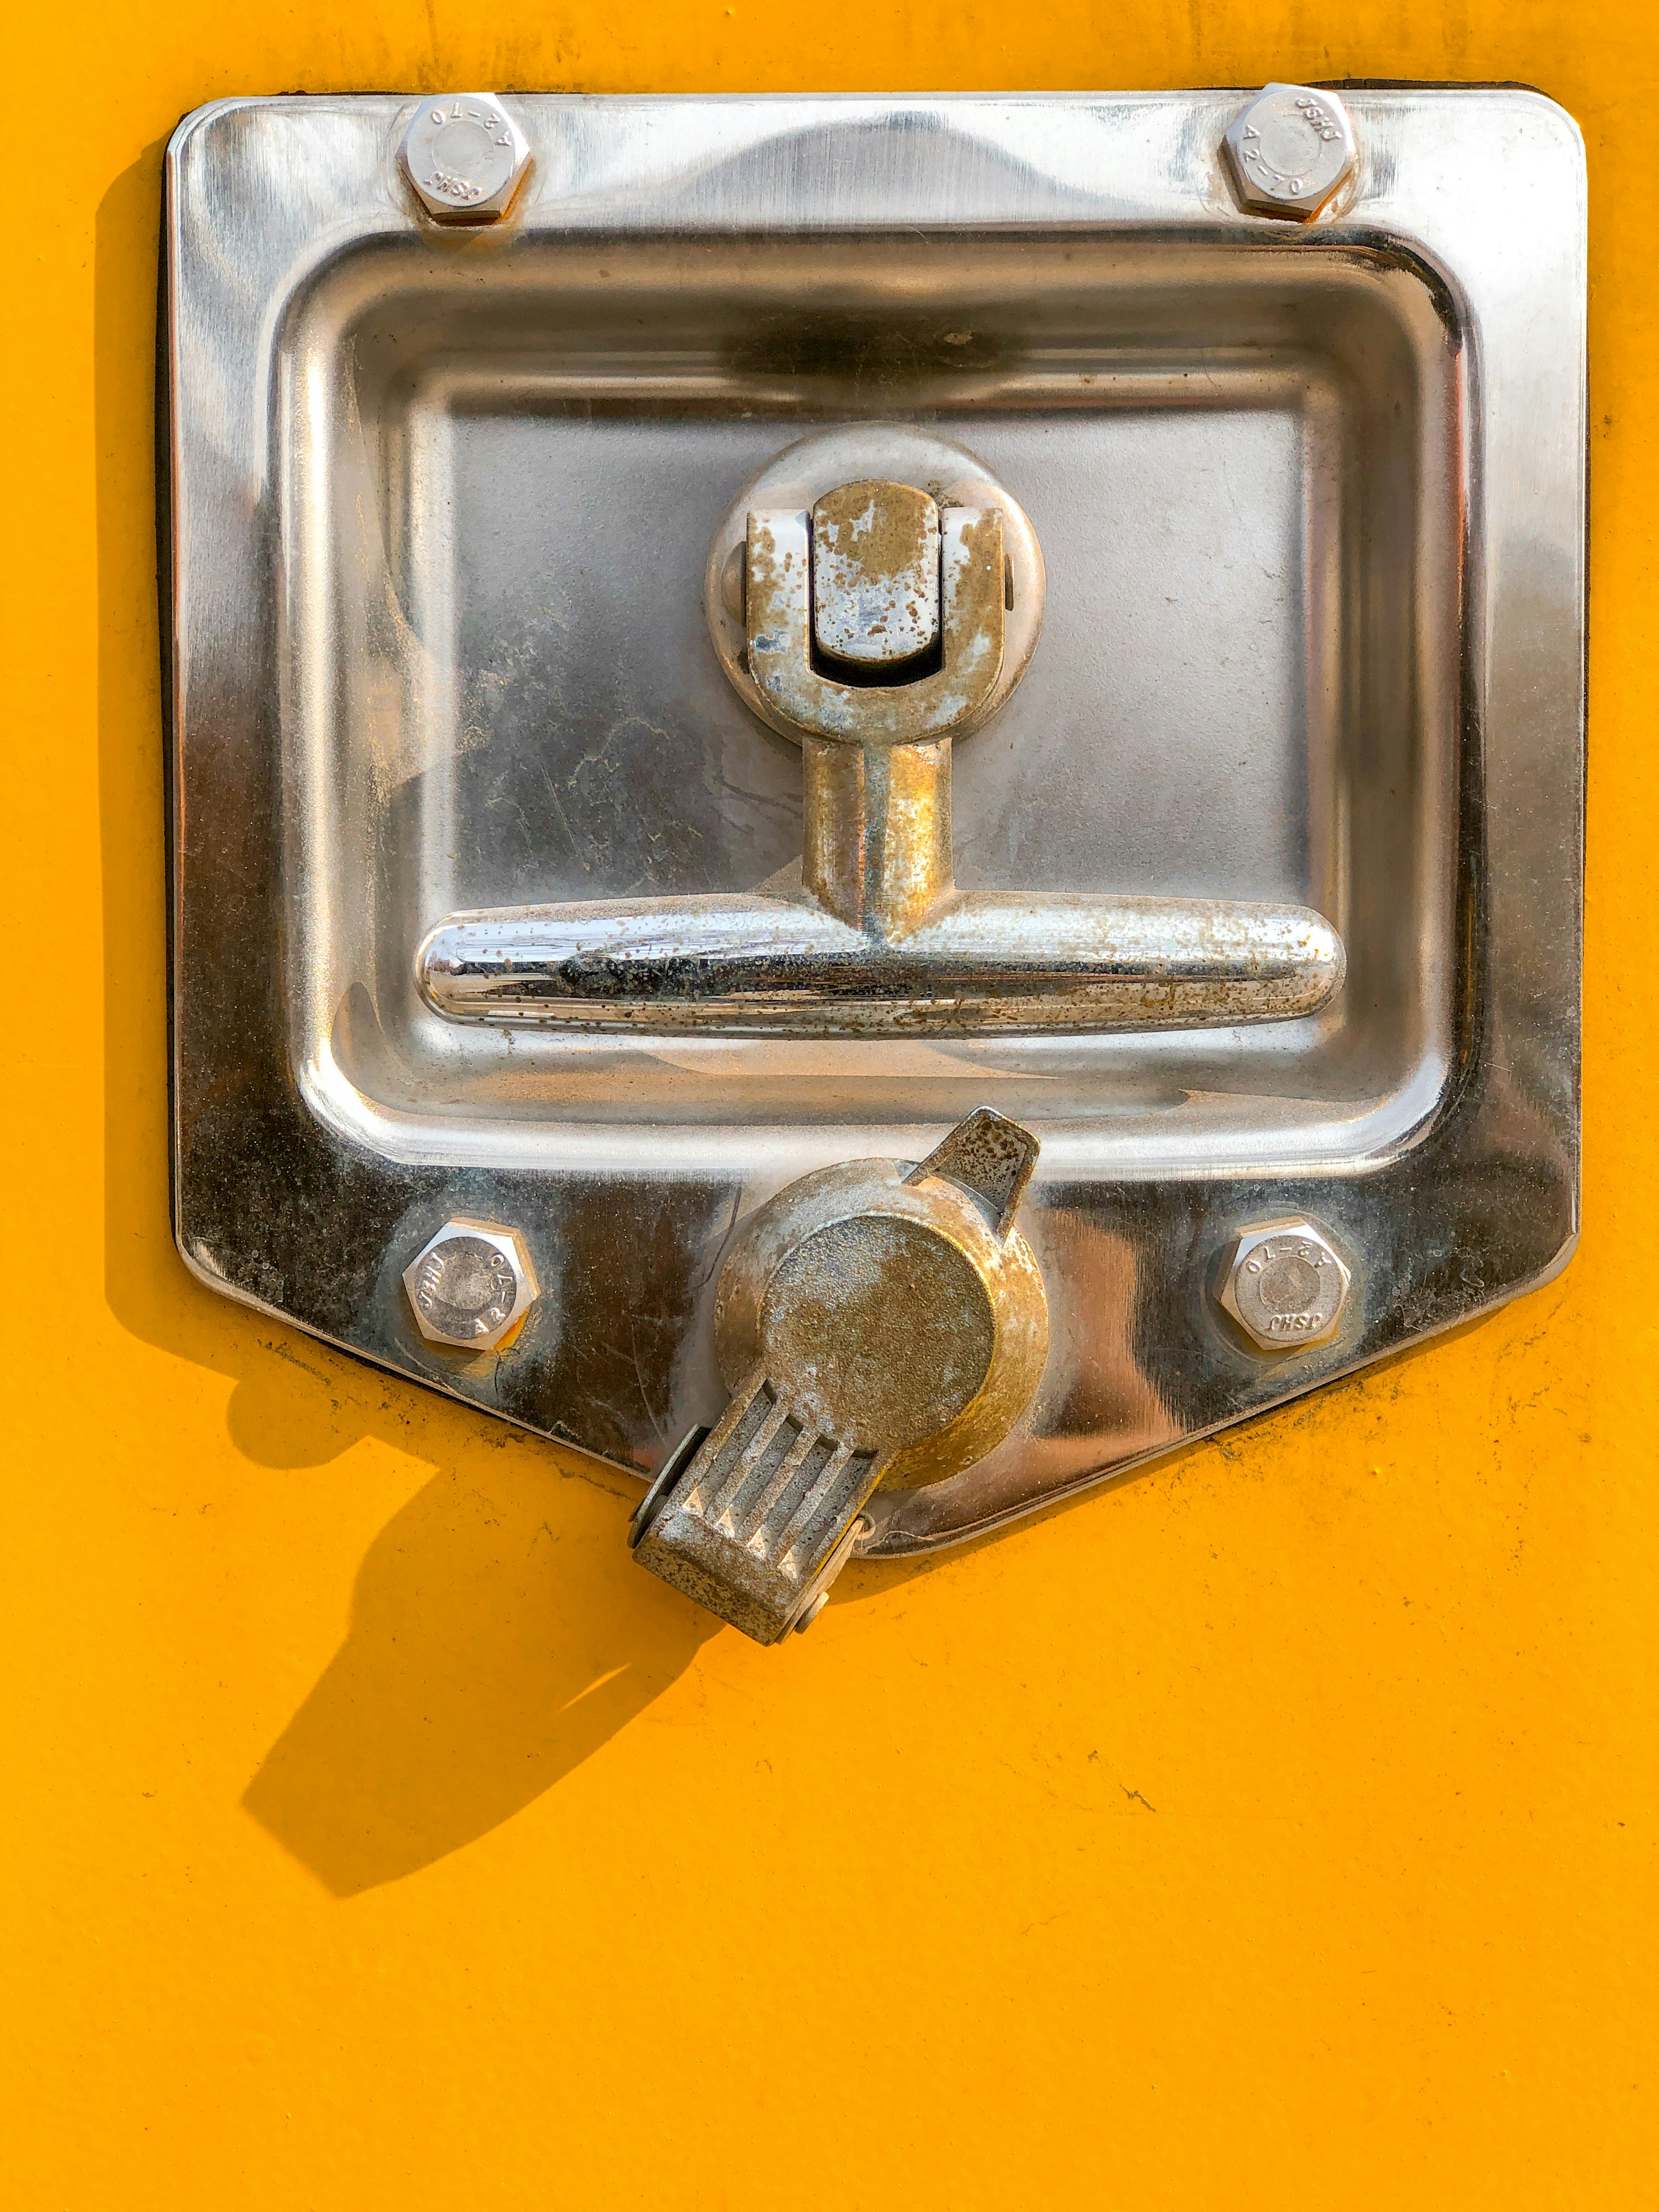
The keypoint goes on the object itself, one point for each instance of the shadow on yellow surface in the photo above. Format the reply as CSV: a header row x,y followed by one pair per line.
x,y
495,1642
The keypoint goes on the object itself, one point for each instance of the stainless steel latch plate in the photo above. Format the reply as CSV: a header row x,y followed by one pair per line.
x,y
1309,497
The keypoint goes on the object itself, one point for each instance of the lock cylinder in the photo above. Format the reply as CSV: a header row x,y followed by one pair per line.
x,y
879,1324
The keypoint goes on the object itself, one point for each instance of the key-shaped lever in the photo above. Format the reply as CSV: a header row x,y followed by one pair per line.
x,y
874,629
880,1323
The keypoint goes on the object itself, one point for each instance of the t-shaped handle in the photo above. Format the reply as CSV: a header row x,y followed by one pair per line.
x,y
877,625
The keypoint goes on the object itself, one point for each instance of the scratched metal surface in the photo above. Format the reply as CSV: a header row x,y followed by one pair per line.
x,y
1179,729
441,506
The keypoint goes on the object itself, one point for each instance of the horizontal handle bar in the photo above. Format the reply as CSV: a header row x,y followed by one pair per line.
x,y
760,966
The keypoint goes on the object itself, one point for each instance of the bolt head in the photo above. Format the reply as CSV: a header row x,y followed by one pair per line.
x,y
1291,151
464,156
471,1285
1285,1284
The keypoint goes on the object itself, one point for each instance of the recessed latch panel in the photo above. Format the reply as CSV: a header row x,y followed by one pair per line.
x,y
877,803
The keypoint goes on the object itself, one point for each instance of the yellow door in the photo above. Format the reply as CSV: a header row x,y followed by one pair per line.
x,y
1273,1830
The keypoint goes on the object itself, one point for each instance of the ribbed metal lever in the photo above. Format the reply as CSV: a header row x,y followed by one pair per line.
x,y
759,1517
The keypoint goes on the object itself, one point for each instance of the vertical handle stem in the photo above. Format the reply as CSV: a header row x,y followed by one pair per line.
x,y
878,832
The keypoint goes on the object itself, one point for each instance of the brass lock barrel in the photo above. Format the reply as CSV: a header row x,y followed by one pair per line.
x,y
880,1323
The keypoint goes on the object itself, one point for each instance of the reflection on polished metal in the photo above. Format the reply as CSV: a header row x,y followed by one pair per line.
x,y
876,939
986,961
1287,1284
879,1325
466,157
1291,151
1312,500
471,1285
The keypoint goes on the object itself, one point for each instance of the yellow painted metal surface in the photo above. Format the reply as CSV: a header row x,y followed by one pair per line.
x,y
1275,1830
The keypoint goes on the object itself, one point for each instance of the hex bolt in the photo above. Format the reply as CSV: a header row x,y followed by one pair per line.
x,y
470,1287
466,157
1287,1284
1291,151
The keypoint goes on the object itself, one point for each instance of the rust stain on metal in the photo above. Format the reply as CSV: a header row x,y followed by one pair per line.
x,y
780,618
875,583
